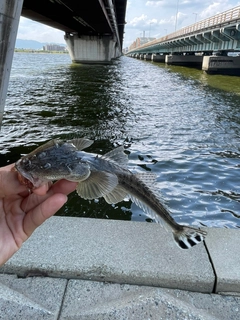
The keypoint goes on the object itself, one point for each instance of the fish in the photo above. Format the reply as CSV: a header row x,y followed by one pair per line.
x,y
104,176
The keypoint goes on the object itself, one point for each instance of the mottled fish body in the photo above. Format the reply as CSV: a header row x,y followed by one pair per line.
x,y
102,176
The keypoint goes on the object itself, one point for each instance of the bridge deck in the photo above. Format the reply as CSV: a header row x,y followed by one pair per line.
x,y
84,17
222,27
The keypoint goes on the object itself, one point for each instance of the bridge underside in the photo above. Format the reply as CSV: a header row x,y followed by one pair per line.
x,y
99,22
85,17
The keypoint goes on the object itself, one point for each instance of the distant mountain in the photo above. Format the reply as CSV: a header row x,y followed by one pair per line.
x,y
28,44
31,44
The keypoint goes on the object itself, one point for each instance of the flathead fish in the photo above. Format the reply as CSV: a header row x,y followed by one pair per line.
x,y
102,176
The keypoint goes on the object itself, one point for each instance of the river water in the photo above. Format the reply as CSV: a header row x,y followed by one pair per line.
x,y
179,123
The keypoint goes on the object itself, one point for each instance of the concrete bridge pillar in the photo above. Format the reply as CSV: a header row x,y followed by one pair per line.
x,y
148,56
10,12
92,49
158,57
189,60
221,65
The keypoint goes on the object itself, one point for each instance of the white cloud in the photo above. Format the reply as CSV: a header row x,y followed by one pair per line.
x,y
154,3
166,21
31,30
214,8
181,17
138,20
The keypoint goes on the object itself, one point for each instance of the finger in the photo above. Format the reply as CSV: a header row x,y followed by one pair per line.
x,y
25,193
43,211
63,186
9,183
43,189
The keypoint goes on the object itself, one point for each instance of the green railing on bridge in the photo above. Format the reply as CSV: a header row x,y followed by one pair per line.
x,y
215,22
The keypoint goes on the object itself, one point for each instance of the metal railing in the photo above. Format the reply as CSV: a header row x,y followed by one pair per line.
x,y
209,23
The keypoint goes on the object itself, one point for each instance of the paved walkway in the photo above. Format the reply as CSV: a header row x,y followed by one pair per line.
x,y
77,268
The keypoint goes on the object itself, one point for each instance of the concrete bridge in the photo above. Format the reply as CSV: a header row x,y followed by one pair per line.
x,y
93,30
205,44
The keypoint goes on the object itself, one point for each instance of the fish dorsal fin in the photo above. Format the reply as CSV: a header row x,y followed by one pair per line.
x,y
117,195
117,155
81,143
97,185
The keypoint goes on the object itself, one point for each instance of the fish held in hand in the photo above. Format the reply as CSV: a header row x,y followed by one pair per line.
x,y
104,176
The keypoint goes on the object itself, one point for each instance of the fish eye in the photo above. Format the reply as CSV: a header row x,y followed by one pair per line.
x,y
47,166
26,162
41,155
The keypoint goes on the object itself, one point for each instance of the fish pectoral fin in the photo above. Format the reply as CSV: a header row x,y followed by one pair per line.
x,y
78,172
97,185
117,195
118,156
81,143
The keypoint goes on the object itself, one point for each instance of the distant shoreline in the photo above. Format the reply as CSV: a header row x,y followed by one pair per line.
x,y
37,51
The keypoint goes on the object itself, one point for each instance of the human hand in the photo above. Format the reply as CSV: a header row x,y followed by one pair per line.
x,y
21,212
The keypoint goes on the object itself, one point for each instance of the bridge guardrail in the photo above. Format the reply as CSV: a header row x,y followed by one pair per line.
x,y
221,18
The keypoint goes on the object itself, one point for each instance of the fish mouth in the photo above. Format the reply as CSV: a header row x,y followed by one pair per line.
x,y
36,182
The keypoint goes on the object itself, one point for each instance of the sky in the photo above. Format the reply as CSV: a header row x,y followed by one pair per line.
x,y
152,18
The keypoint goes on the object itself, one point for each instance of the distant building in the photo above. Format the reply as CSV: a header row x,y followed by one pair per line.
x,y
53,47
140,41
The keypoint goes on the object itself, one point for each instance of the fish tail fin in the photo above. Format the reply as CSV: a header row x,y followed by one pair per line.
x,y
189,237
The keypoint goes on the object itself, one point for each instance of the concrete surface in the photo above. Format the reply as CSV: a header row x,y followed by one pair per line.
x,y
53,298
88,269
224,249
94,300
117,251
30,298
187,60
91,48
221,65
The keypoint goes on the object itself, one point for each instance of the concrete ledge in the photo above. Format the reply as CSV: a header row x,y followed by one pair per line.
x,y
125,252
223,246
117,251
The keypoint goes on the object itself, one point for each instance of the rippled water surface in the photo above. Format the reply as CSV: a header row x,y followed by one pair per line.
x,y
176,122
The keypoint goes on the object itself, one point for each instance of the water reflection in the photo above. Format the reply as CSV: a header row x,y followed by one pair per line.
x,y
229,84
